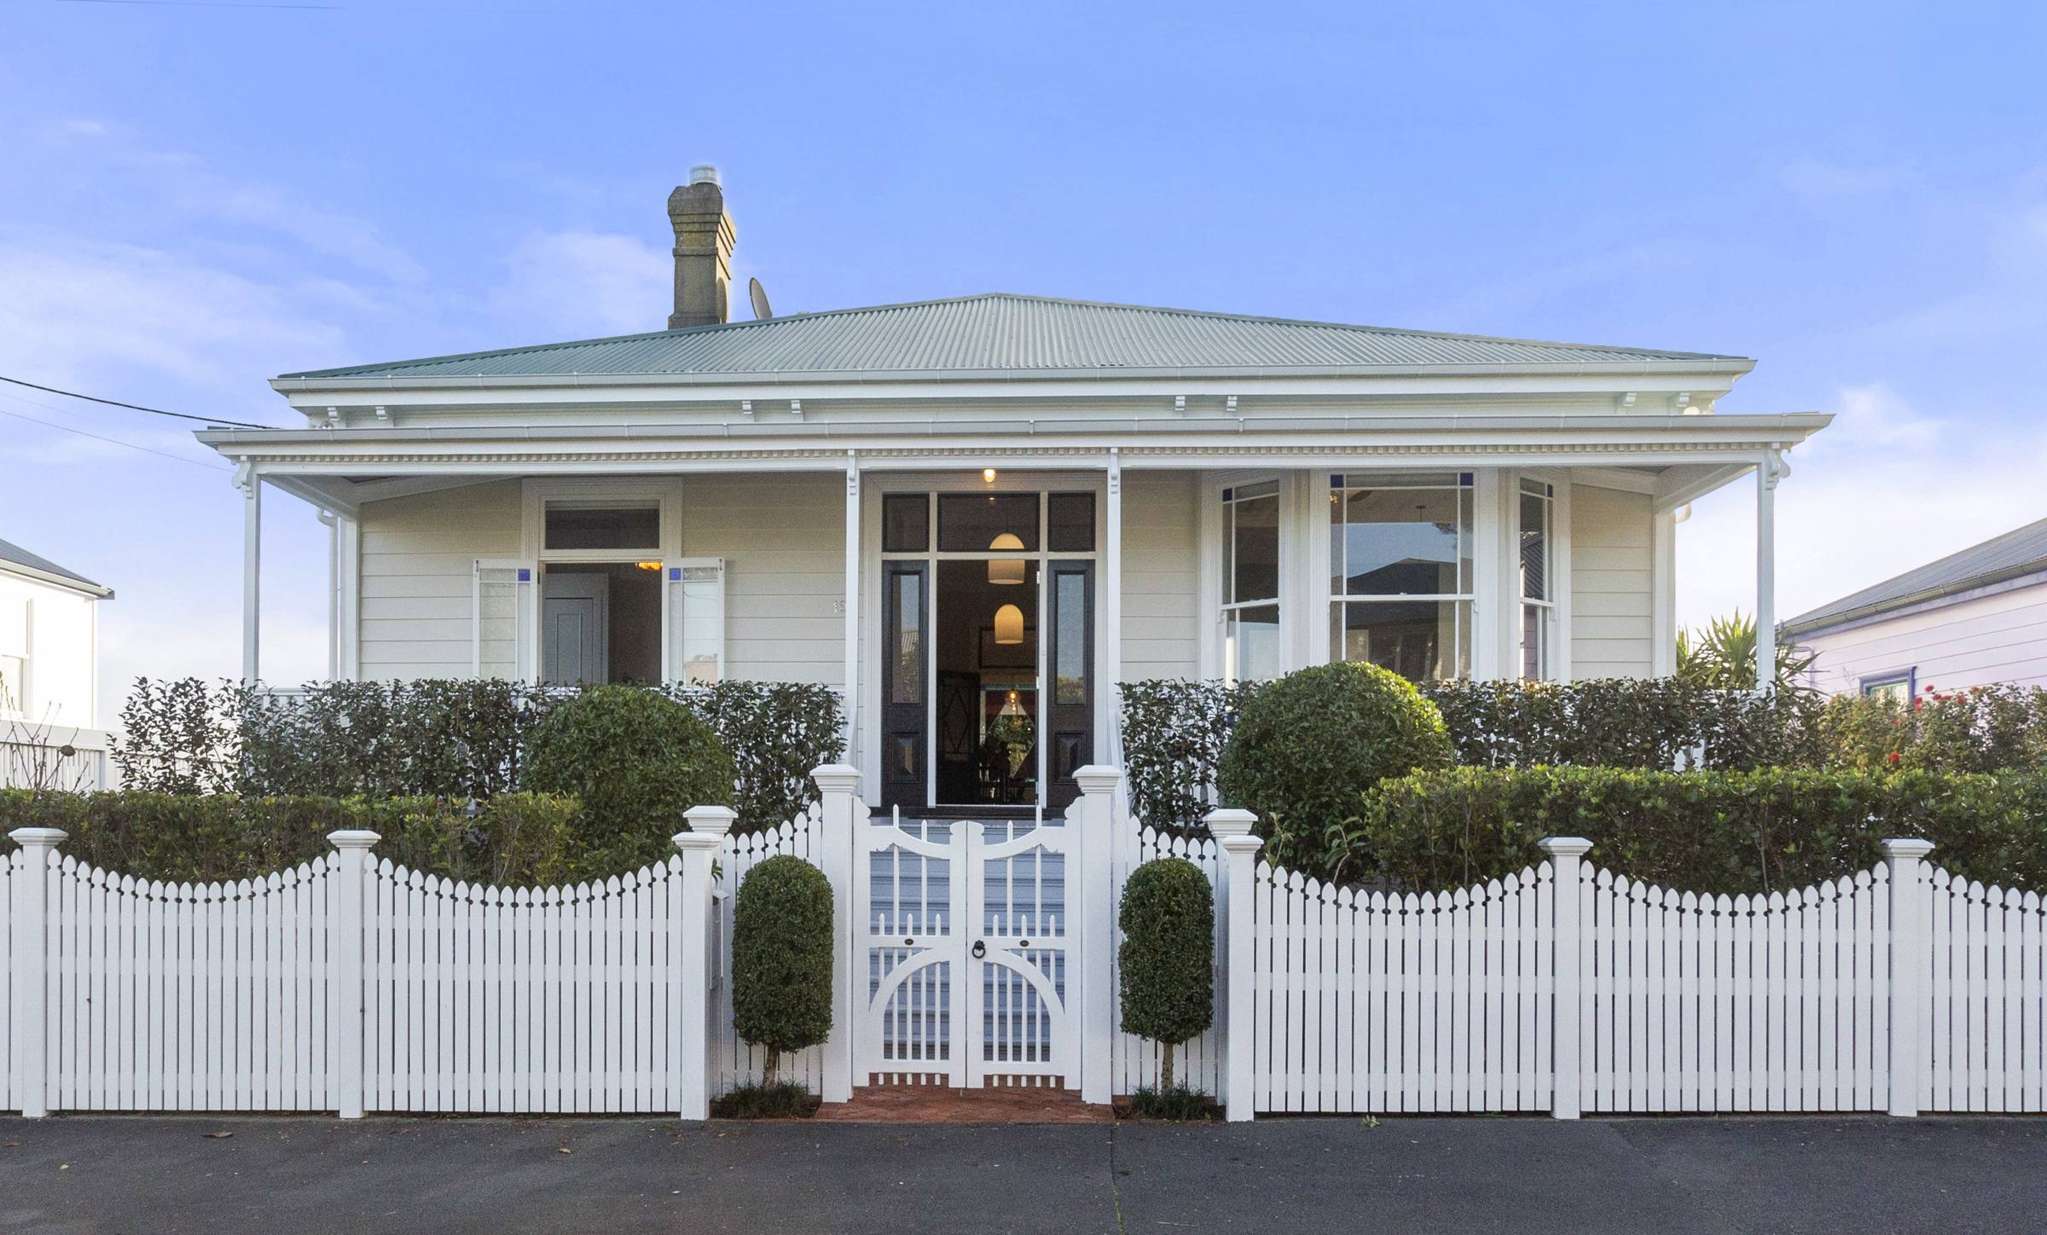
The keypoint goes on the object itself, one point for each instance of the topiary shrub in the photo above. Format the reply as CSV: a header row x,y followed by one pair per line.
x,y
1167,958
1308,744
636,761
782,958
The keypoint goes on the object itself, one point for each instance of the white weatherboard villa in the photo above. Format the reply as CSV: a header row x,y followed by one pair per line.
x,y
965,511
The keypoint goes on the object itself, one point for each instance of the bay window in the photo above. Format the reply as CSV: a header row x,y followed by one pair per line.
x,y
1400,573
1252,646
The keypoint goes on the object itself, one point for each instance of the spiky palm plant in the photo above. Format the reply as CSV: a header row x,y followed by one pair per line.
x,y
1723,655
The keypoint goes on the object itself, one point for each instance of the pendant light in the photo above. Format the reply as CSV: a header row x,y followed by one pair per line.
x,y
1012,707
1010,571
1009,625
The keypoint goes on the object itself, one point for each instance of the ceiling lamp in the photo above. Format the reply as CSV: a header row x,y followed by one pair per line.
x,y
1009,626
1012,707
1009,572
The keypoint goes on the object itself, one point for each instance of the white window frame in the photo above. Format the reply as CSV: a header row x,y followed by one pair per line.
x,y
1227,496
537,494
1545,491
17,664
1471,539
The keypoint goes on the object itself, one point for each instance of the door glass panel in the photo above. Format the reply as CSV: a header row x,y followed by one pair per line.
x,y
1070,522
1070,605
906,523
907,681
972,522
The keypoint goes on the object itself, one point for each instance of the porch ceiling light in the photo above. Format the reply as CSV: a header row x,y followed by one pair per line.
x,y
988,475
1010,572
1009,625
648,565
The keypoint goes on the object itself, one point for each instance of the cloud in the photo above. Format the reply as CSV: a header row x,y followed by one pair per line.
x,y
575,283
1884,489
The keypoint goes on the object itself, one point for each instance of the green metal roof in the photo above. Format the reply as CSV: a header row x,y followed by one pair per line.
x,y
1006,332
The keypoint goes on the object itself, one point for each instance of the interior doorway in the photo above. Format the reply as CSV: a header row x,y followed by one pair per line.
x,y
600,622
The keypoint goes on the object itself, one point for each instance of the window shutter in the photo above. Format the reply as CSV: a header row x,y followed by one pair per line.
x,y
498,630
696,621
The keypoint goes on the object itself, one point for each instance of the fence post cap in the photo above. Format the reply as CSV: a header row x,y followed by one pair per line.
x,y
1226,821
710,820
1098,778
28,837
836,778
353,838
1564,846
1906,847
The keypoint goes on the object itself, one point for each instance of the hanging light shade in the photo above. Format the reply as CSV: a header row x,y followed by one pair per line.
x,y
1009,625
1006,572
1012,706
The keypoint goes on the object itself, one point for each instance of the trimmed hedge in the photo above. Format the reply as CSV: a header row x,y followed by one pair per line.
x,y
1306,743
635,760
443,738
1174,732
1769,829
1167,958
515,839
782,958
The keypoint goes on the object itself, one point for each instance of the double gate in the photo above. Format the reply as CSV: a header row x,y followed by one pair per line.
x,y
964,933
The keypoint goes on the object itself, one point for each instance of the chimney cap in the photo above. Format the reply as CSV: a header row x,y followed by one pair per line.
x,y
705,173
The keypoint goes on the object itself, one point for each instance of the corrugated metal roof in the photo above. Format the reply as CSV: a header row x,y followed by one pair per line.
x,y
1002,331
15,554
2021,551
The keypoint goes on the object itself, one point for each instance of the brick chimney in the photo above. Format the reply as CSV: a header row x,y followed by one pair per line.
x,y
704,237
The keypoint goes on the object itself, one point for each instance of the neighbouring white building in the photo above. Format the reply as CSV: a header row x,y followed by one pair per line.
x,y
49,674
974,516
1973,618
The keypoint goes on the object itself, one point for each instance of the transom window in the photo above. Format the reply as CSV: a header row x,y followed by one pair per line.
x,y
603,526
1250,536
1400,578
1538,602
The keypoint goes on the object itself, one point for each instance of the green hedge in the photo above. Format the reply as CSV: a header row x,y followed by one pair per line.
x,y
782,958
514,839
443,738
1306,743
1769,829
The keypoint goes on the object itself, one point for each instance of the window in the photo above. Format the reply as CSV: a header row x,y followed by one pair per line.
x,y
905,523
1538,600
1070,522
586,526
1250,576
1400,571
975,522
14,628
1897,687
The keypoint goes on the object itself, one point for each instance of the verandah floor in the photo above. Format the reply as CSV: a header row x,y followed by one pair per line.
x,y
936,1104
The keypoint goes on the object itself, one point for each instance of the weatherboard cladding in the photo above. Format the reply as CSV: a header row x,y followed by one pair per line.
x,y
1001,332
2020,551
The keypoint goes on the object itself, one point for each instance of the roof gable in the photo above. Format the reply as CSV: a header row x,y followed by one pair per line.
x,y
1001,332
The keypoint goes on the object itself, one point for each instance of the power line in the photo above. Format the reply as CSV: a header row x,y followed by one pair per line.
x,y
115,441
134,407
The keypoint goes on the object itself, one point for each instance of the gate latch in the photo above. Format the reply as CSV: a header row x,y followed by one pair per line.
x,y
980,948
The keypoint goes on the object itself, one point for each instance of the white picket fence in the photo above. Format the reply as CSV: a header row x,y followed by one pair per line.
x,y
1566,988
352,985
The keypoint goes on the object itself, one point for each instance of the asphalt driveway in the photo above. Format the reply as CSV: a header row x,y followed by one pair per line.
x,y
123,1174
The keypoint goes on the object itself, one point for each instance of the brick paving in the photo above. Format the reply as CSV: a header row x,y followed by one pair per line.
x,y
936,1104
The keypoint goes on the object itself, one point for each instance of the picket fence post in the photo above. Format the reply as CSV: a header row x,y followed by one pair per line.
x,y
838,786
700,846
1565,853
348,943
1232,831
1092,820
29,966
1911,968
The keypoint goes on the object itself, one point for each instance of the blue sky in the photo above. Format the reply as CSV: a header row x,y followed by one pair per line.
x,y
194,197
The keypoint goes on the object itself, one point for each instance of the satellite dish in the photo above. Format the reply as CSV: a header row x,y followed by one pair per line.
x,y
759,295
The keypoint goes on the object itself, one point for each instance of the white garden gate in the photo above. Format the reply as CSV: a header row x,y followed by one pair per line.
x,y
964,945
